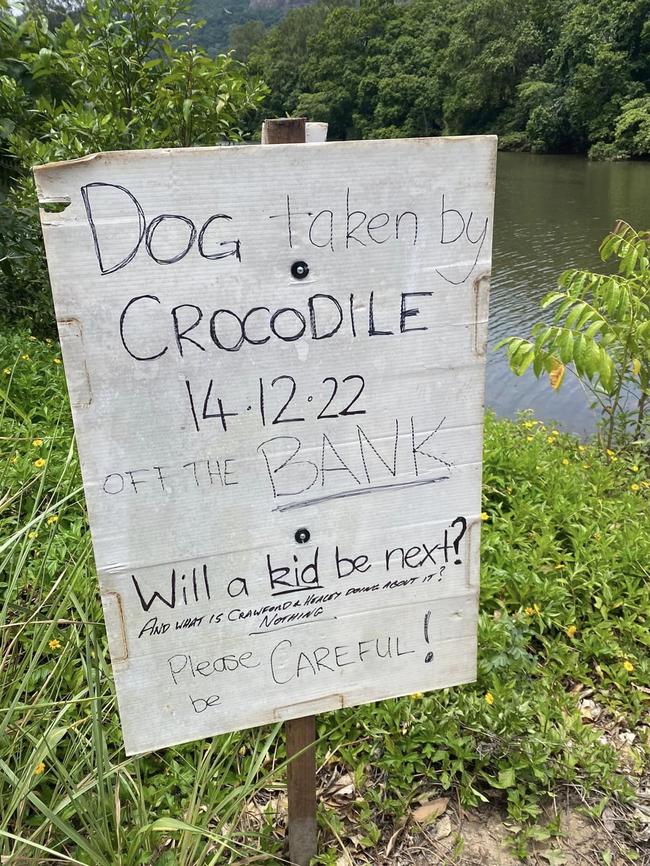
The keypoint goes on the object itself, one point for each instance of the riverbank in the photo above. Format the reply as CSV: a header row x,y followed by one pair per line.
x,y
560,704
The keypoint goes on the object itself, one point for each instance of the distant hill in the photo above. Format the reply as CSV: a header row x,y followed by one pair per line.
x,y
222,15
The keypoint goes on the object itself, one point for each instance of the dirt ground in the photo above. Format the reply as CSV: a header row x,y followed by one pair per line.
x,y
439,832
483,838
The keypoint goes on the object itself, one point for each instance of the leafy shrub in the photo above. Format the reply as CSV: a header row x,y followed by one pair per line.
x,y
601,327
128,74
516,141
605,151
25,294
564,601
633,127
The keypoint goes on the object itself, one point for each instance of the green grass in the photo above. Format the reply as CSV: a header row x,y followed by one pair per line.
x,y
565,600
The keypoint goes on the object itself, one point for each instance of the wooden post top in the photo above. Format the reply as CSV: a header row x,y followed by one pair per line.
x,y
284,130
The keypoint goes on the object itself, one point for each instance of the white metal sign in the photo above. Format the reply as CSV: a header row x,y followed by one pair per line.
x,y
275,358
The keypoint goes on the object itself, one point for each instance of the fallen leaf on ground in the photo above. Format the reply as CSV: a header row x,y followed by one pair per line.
x,y
342,787
429,811
554,858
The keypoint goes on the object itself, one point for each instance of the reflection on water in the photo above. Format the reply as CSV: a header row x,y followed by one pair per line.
x,y
551,214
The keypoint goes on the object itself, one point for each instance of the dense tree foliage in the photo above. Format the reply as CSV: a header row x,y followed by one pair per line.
x,y
281,56
546,75
77,77
223,17
121,74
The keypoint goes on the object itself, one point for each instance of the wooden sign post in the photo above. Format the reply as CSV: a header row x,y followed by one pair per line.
x,y
275,358
300,733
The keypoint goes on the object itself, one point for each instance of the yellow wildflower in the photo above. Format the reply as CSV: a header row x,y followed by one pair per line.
x,y
416,696
25,357
484,516
7,371
40,463
629,667
550,439
582,447
37,443
32,534
634,487
54,644
57,360
39,769
32,338
52,518
565,462
48,340
529,611
489,697
529,424
529,438
242,750
571,631
610,453
597,535
555,432
634,468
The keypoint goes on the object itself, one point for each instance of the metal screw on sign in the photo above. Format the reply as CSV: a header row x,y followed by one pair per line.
x,y
299,270
302,536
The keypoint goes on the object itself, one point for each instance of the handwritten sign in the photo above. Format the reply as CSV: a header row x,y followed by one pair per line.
x,y
275,358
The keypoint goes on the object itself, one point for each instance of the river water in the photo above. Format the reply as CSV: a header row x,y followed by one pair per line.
x,y
551,214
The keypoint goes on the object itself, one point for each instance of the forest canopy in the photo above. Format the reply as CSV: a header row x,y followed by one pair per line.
x,y
546,75
550,76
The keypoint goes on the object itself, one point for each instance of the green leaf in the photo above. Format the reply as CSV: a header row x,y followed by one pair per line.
x,y
623,304
612,298
579,352
574,315
565,344
591,357
538,363
171,825
543,336
561,310
606,371
527,357
506,779
594,328
551,298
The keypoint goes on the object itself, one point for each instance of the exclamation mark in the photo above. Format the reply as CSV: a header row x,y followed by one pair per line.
x,y
427,616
